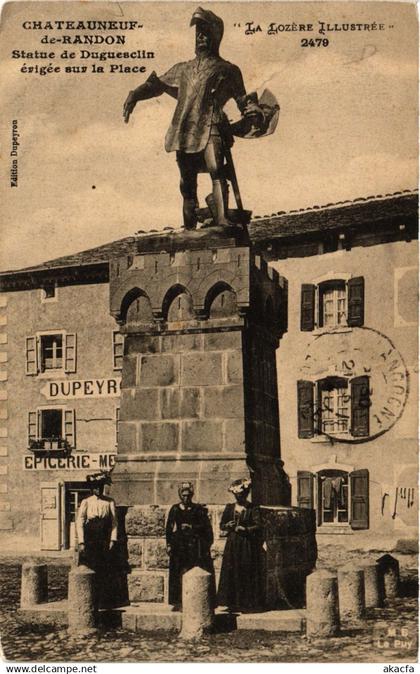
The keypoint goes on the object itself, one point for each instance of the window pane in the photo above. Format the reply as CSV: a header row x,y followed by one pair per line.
x,y
335,410
51,424
328,307
51,352
341,307
334,494
334,305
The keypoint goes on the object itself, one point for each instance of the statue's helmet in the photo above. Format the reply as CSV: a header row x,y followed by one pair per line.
x,y
214,23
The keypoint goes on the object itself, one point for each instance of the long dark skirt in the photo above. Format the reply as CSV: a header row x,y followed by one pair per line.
x,y
241,583
99,558
187,552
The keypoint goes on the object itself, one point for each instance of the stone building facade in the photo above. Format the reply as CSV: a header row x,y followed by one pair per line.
x,y
59,403
348,369
347,376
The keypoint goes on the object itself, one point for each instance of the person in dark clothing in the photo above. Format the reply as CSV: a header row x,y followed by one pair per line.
x,y
240,585
189,536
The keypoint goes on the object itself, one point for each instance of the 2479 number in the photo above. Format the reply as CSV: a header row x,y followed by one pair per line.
x,y
317,42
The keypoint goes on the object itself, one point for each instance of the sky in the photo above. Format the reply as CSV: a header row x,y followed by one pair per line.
x,y
347,126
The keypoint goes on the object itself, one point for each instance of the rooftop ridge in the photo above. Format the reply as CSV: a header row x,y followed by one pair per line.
x,y
279,222
347,202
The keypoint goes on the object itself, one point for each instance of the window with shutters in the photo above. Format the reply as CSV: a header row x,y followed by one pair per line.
x,y
51,429
339,498
334,303
117,350
51,352
334,407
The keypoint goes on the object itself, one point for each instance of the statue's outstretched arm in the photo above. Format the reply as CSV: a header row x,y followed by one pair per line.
x,y
152,87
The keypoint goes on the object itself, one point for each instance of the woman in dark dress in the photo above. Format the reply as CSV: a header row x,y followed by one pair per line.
x,y
189,536
240,585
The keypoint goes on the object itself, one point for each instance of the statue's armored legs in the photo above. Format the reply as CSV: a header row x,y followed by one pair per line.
x,y
212,160
188,167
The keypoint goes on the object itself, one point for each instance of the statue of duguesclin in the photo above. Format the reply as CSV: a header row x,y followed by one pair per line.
x,y
200,132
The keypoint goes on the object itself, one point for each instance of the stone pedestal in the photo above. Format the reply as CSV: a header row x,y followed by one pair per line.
x,y
202,317
199,397
290,554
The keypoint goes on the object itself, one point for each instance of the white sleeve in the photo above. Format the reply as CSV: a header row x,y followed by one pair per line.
x,y
114,531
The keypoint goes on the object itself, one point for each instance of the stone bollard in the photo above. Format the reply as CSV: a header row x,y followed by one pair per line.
x,y
389,571
81,600
351,593
322,609
34,584
197,611
373,585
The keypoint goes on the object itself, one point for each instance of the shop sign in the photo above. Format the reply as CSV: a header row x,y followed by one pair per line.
x,y
73,462
67,389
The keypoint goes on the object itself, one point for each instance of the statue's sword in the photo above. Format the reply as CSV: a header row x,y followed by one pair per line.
x,y
230,173
232,177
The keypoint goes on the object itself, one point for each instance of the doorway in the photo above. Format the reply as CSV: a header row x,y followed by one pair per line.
x,y
74,493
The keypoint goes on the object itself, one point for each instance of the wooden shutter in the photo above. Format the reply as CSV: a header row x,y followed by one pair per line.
x,y
307,307
32,426
305,489
318,409
117,425
70,352
359,491
117,350
305,396
31,355
356,301
360,405
284,310
70,427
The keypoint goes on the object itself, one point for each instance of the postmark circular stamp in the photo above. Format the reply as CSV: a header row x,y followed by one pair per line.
x,y
360,378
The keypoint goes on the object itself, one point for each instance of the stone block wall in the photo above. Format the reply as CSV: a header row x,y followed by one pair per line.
x,y
290,552
149,561
184,401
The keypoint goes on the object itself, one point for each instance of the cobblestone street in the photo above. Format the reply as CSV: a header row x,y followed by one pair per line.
x,y
22,642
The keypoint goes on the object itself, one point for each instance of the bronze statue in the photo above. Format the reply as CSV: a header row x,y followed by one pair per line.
x,y
200,132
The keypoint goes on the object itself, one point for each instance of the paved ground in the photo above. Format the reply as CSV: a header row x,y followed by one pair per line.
x,y
29,643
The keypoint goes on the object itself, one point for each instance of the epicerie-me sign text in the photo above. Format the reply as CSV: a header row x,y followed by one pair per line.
x,y
82,388
99,461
